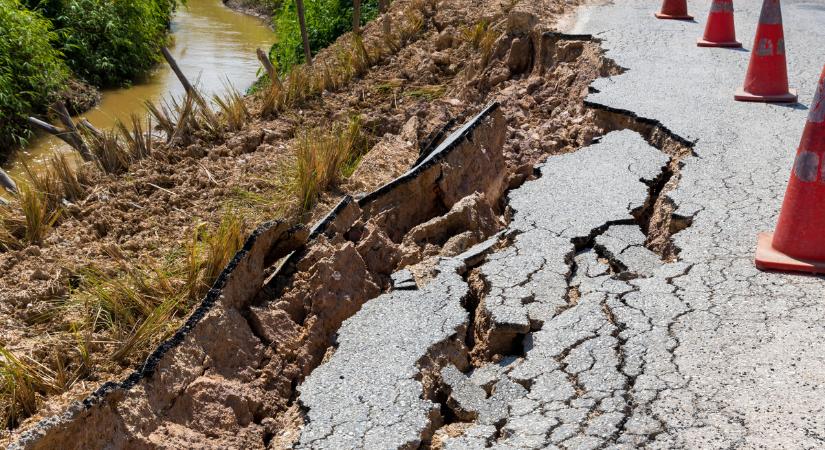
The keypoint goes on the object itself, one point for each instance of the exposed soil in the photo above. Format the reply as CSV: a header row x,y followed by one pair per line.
x,y
406,102
79,96
262,9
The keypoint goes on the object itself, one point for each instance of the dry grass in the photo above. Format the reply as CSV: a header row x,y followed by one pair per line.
x,y
321,159
24,383
111,155
481,37
38,217
144,303
234,112
210,251
138,142
73,181
10,226
29,217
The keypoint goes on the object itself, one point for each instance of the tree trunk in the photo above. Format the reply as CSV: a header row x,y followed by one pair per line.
x,y
356,16
190,90
187,86
299,4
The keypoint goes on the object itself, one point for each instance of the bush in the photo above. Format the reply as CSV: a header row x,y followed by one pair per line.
x,y
30,69
111,42
326,20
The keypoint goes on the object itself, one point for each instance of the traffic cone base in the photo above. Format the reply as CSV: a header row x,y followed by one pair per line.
x,y
789,97
769,258
731,44
672,17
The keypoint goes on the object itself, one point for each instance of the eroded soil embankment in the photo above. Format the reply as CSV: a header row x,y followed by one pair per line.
x,y
234,384
138,227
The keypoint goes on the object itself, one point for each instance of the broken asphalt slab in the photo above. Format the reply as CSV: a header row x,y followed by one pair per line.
x,y
614,349
369,393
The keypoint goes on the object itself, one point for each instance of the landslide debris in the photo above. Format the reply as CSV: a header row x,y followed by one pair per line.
x,y
459,62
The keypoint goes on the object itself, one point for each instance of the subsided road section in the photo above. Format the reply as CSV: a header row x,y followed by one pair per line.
x,y
597,342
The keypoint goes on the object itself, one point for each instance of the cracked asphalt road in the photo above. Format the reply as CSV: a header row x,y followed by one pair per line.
x,y
621,349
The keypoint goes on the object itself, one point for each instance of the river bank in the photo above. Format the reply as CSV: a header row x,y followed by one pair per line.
x,y
262,9
212,43
44,45
137,232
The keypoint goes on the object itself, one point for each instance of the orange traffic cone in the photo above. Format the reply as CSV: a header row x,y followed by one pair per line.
x,y
674,9
767,78
720,31
799,241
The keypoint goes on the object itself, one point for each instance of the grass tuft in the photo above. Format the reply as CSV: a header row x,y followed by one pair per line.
x,y
233,109
138,142
73,181
142,304
111,155
39,219
22,384
321,159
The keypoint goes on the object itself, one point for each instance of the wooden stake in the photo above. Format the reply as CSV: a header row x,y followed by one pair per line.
x,y
356,16
270,69
187,86
181,77
70,135
66,119
299,4
383,8
7,182
90,128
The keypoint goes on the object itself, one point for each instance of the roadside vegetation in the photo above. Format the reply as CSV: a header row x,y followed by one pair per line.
x,y
326,20
108,43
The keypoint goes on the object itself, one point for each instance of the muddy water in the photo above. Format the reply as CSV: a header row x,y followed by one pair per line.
x,y
214,46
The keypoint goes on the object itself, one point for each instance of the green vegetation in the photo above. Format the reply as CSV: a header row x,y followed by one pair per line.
x,y
108,42
44,42
31,69
326,20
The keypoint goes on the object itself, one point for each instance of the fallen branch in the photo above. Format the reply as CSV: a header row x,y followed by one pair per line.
x,y
70,135
356,17
383,8
299,4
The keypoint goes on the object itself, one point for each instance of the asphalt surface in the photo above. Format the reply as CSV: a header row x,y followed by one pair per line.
x,y
620,349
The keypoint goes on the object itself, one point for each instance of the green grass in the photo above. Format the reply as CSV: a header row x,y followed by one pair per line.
x,y
427,92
